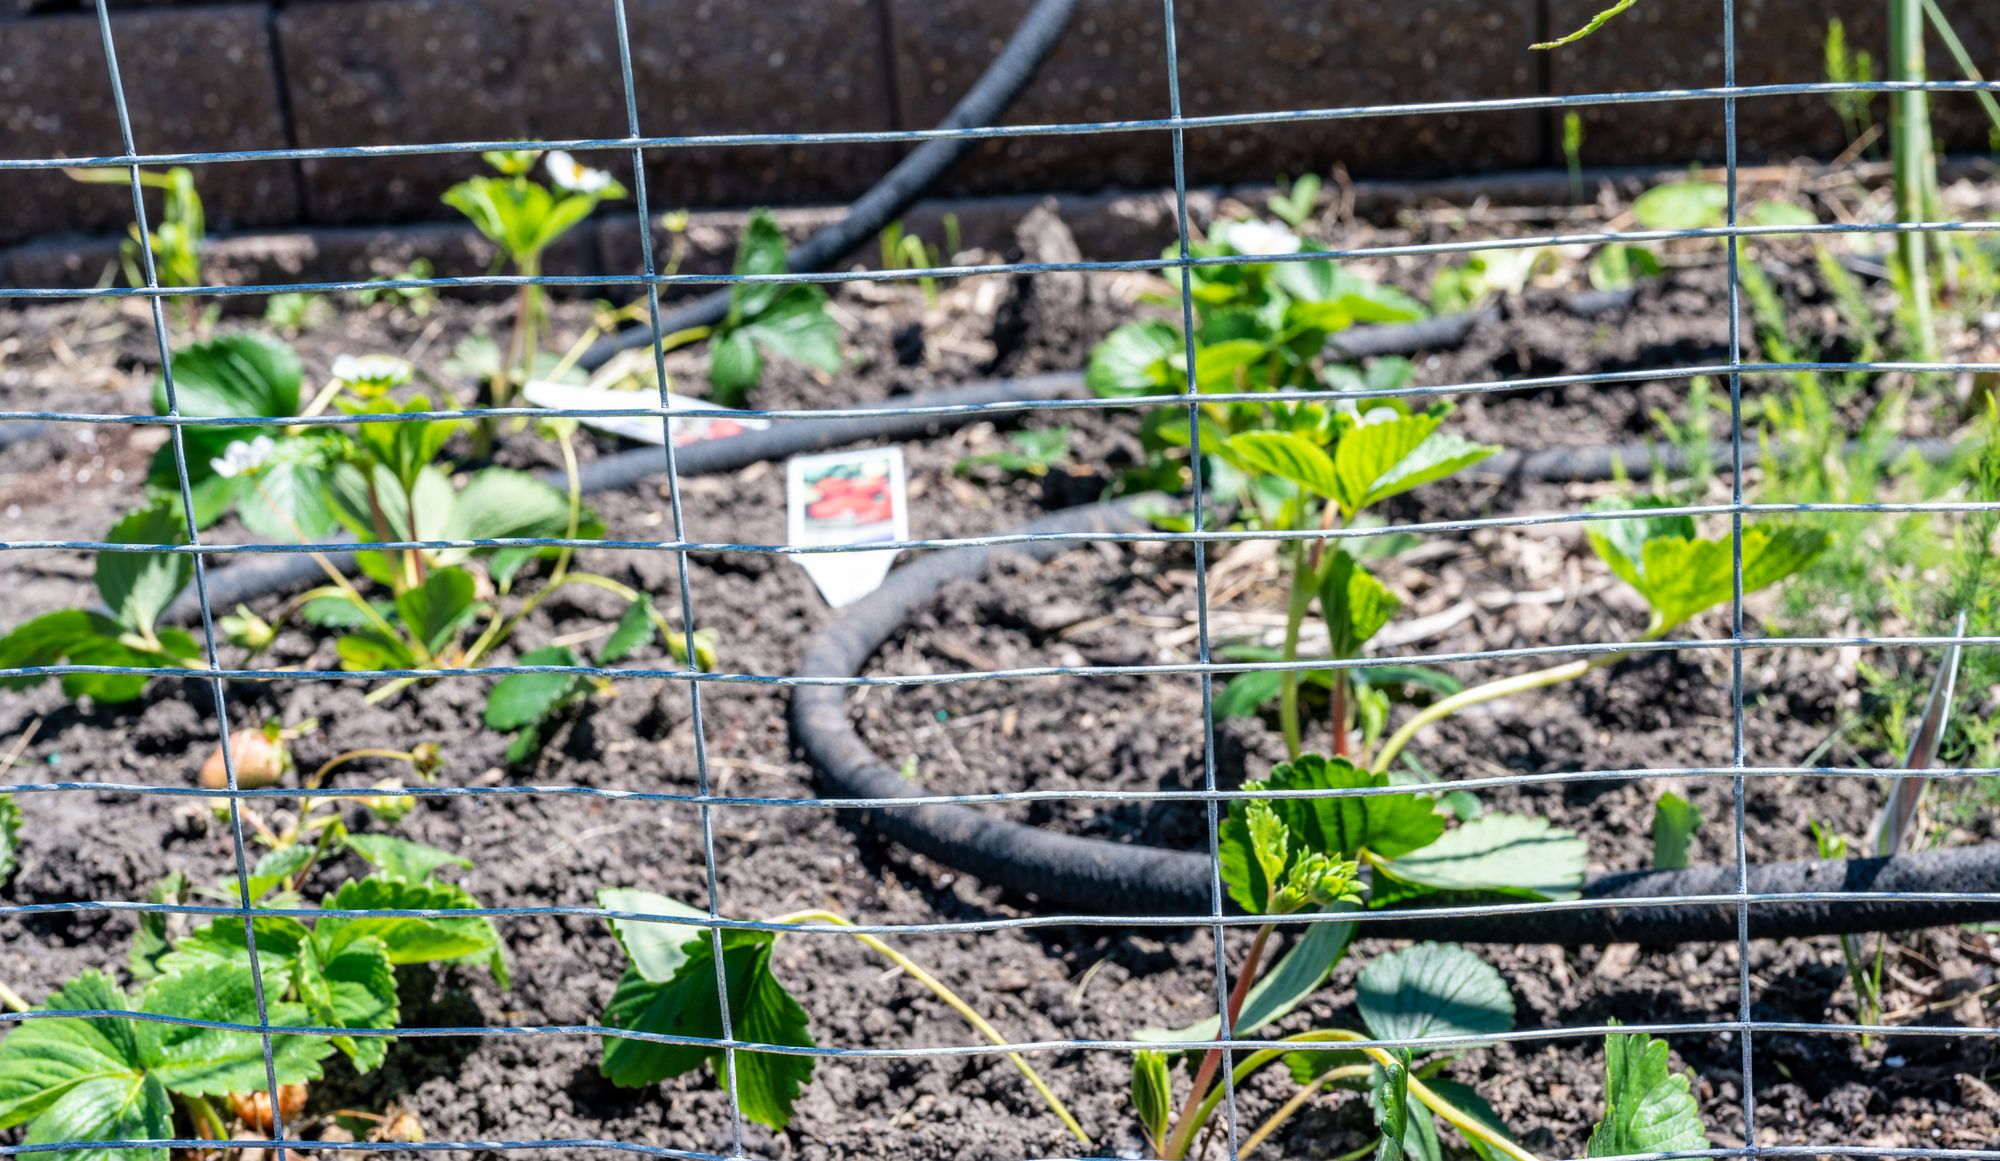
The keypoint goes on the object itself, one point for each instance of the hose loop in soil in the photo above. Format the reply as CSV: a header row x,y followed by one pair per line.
x,y
1099,876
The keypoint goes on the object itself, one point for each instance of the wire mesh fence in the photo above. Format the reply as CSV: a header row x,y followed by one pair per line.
x,y
741,1048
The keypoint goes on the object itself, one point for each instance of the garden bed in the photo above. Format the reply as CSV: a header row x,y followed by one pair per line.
x,y
1103,605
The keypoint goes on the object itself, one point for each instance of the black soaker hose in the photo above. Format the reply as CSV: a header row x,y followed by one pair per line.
x,y
983,104
259,576
1097,875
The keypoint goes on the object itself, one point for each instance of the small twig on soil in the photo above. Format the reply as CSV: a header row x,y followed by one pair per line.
x,y
20,745
1939,1005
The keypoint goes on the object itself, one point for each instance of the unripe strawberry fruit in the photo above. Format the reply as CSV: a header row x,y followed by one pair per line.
x,y
261,761
254,1108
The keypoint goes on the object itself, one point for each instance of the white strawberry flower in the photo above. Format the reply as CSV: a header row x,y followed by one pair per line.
x,y
1260,239
576,177
372,372
242,457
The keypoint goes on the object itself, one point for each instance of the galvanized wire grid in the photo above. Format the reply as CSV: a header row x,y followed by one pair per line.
x,y
1175,126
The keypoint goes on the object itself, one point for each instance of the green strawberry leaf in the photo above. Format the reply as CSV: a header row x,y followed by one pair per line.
x,y
401,858
149,942
128,1107
1246,693
408,938
1682,205
502,504
342,613
1133,360
656,949
1432,990
1369,452
1468,1101
1384,825
1509,855
1355,604
47,639
220,943
761,251
798,329
436,610
211,1061
633,631
286,501
1296,976
734,366
137,586
275,868
1675,820
1443,454
42,1059
1648,1107
234,376
1287,456
10,836
353,987
519,700
1681,575
760,1010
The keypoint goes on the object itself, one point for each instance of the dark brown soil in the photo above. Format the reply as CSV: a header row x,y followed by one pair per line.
x,y
1102,606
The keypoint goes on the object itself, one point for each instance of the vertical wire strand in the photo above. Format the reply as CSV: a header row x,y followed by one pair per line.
x,y
1738,755
1199,486
678,517
216,685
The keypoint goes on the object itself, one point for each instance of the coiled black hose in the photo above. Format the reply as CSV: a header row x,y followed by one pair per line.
x,y
1097,875
983,104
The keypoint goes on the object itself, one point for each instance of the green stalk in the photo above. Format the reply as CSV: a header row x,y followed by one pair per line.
x,y
1963,59
966,1011
208,1122
1497,689
1295,616
498,630
1300,1100
1184,1129
1447,1112
1914,165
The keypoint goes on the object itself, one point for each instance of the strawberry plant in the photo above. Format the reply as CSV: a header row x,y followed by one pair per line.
x,y
109,1077
767,319
1342,851
1281,858
524,218
1033,452
1678,572
669,989
384,481
135,588
177,239
1289,467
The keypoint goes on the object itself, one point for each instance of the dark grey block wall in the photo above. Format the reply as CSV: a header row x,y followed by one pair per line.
x,y
314,73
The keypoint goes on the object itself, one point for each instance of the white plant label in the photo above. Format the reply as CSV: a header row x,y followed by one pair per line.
x,y
642,428
844,498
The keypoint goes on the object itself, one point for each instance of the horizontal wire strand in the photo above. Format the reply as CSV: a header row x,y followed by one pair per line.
x,y
908,274
989,132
